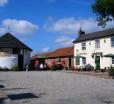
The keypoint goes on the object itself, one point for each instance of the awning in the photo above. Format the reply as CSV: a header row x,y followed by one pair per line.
x,y
109,55
79,56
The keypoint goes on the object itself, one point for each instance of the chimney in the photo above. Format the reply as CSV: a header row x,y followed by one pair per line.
x,y
81,32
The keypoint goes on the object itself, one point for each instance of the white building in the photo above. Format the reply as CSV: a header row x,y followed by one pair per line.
x,y
96,49
13,52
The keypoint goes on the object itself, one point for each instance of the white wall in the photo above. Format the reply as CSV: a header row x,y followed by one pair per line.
x,y
105,48
8,61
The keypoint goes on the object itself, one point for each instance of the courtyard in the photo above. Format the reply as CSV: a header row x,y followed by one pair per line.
x,y
54,87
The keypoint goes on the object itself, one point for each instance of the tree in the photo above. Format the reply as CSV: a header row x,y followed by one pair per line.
x,y
104,10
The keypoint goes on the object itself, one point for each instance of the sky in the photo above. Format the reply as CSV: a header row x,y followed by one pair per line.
x,y
45,25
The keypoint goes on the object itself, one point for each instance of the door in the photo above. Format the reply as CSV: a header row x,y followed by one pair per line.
x,y
97,62
20,62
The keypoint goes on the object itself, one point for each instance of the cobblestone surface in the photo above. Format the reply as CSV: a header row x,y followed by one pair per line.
x,y
54,88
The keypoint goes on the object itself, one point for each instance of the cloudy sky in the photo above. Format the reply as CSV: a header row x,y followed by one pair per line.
x,y
45,25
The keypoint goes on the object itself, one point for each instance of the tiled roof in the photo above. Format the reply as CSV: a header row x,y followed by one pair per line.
x,y
9,41
95,35
43,55
61,52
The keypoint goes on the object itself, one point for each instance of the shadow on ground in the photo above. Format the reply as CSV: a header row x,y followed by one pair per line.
x,y
8,89
2,86
19,96
24,96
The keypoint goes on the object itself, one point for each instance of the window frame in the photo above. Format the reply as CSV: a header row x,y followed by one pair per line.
x,y
112,60
112,42
97,43
83,45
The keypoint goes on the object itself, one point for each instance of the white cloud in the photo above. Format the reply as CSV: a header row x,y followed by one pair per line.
x,y
64,41
21,27
71,25
3,2
45,49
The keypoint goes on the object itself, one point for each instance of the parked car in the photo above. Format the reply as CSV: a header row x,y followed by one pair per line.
x,y
88,67
57,67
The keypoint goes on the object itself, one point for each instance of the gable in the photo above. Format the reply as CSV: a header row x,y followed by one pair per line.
x,y
9,41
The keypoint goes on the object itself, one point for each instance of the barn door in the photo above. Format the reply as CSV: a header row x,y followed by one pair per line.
x,y
20,62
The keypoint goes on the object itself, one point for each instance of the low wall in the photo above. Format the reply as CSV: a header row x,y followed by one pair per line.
x,y
8,61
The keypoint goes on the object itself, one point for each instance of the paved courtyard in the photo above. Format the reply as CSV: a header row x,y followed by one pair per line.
x,y
54,88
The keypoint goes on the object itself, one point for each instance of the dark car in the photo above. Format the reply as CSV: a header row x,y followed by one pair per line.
x,y
88,67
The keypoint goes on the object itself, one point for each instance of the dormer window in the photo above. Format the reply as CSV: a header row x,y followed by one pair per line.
x,y
84,46
97,43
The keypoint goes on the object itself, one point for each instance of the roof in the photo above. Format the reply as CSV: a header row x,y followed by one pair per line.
x,y
9,41
43,55
61,52
95,35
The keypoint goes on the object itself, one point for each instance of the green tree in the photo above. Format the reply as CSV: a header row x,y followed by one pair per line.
x,y
104,10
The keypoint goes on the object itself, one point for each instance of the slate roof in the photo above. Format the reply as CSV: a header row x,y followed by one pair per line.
x,y
9,41
58,53
95,35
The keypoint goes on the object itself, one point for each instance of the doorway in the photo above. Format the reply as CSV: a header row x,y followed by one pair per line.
x,y
20,62
97,62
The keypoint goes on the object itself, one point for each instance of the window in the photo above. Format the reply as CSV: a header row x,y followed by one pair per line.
x,y
112,60
83,60
77,61
83,46
97,43
112,41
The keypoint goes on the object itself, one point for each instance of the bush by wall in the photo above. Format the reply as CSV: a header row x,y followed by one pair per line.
x,y
111,71
14,68
4,69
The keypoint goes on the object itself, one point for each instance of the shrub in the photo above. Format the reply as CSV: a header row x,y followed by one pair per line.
x,y
111,71
4,69
14,68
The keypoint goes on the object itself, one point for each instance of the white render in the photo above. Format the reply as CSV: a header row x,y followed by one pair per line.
x,y
9,60
105,48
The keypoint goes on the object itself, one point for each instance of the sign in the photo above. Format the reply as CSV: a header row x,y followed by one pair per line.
x,y
84,53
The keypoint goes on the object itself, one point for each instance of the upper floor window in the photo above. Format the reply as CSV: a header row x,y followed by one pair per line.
x,y
112,41
83,46
97,43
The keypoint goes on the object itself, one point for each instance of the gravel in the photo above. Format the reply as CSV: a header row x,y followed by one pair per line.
x,y
54,87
